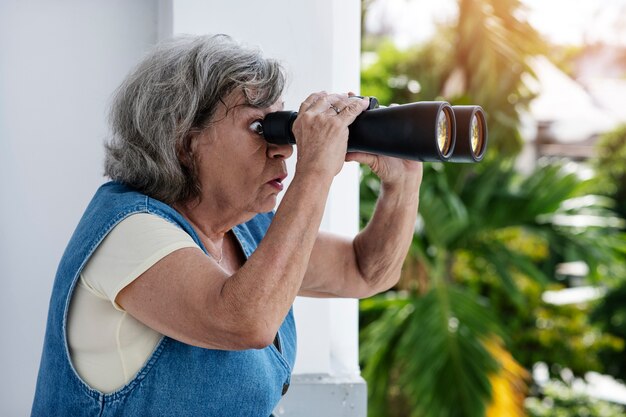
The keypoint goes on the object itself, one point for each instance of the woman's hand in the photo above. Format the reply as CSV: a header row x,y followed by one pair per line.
x,y
392,172
321,131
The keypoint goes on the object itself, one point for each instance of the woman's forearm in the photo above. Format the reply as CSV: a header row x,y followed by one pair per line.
x,y
381,247
263,290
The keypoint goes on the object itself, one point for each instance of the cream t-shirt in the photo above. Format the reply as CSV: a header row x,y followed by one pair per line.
x,y
107,345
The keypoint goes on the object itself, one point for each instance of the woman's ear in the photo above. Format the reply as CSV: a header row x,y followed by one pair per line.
x,y
186,147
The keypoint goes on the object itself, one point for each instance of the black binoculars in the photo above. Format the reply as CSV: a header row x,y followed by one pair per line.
x,y
426,131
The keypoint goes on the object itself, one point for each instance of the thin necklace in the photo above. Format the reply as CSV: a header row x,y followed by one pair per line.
x,y
221,251
221,256
218,260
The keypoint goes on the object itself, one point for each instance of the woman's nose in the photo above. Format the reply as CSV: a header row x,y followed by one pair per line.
x,y
279,151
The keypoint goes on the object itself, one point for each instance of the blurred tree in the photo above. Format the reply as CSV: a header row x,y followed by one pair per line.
x,y
564,336
424,349
481,59
611,167
560,399
403,76
611,316
492,43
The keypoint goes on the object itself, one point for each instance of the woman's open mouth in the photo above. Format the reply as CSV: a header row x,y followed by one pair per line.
x,y
278,182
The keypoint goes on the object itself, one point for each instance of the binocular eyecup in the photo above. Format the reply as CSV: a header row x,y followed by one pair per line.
x,y
428,131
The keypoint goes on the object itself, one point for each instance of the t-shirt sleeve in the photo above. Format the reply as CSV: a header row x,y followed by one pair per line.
x,y
131,248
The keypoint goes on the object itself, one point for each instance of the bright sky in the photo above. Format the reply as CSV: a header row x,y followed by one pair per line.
x,y
588,20
561,21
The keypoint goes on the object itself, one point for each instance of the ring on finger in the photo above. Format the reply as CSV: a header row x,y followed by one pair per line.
x,y
335,108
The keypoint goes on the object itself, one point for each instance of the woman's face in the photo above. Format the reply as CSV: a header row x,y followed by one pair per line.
x,y
237,168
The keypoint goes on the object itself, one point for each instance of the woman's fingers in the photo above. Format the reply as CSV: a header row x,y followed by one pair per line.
x,y
311,100
328,103
334,104
353,107
362,158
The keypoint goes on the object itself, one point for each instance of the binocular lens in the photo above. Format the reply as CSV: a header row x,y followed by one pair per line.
x,y
477,135
444,131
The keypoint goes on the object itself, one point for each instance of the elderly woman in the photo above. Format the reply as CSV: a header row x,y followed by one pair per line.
x,y
174,294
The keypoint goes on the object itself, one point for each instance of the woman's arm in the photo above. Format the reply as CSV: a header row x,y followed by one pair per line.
x,y
372,262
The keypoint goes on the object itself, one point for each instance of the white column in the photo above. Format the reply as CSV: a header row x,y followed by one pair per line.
x,y
319,41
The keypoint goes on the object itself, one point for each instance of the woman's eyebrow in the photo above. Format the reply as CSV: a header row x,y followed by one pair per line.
x,y
249,107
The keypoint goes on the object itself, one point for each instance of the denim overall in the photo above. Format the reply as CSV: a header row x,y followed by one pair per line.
x,y
178,379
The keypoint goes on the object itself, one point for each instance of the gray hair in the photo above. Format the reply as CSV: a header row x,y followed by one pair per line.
x,y
174,91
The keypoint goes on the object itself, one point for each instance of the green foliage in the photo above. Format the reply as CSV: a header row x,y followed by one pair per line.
x,y
488,237
506,233
610,166
489,230
562,400
404,76
469,210
610,315
541,332
437,337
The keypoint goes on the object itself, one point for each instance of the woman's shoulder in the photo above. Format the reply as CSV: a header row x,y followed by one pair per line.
x,y
115,201
133,245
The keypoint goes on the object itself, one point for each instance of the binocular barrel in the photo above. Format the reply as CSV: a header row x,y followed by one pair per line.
x,y
471,135
423,131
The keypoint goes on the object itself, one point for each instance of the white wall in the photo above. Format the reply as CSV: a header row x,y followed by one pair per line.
x,y
59,64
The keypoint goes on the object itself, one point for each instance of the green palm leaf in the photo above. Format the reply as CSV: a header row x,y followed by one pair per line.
x,y
427,345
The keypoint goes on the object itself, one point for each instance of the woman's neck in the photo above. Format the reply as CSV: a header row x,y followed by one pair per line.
x,y
211,219
213,227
